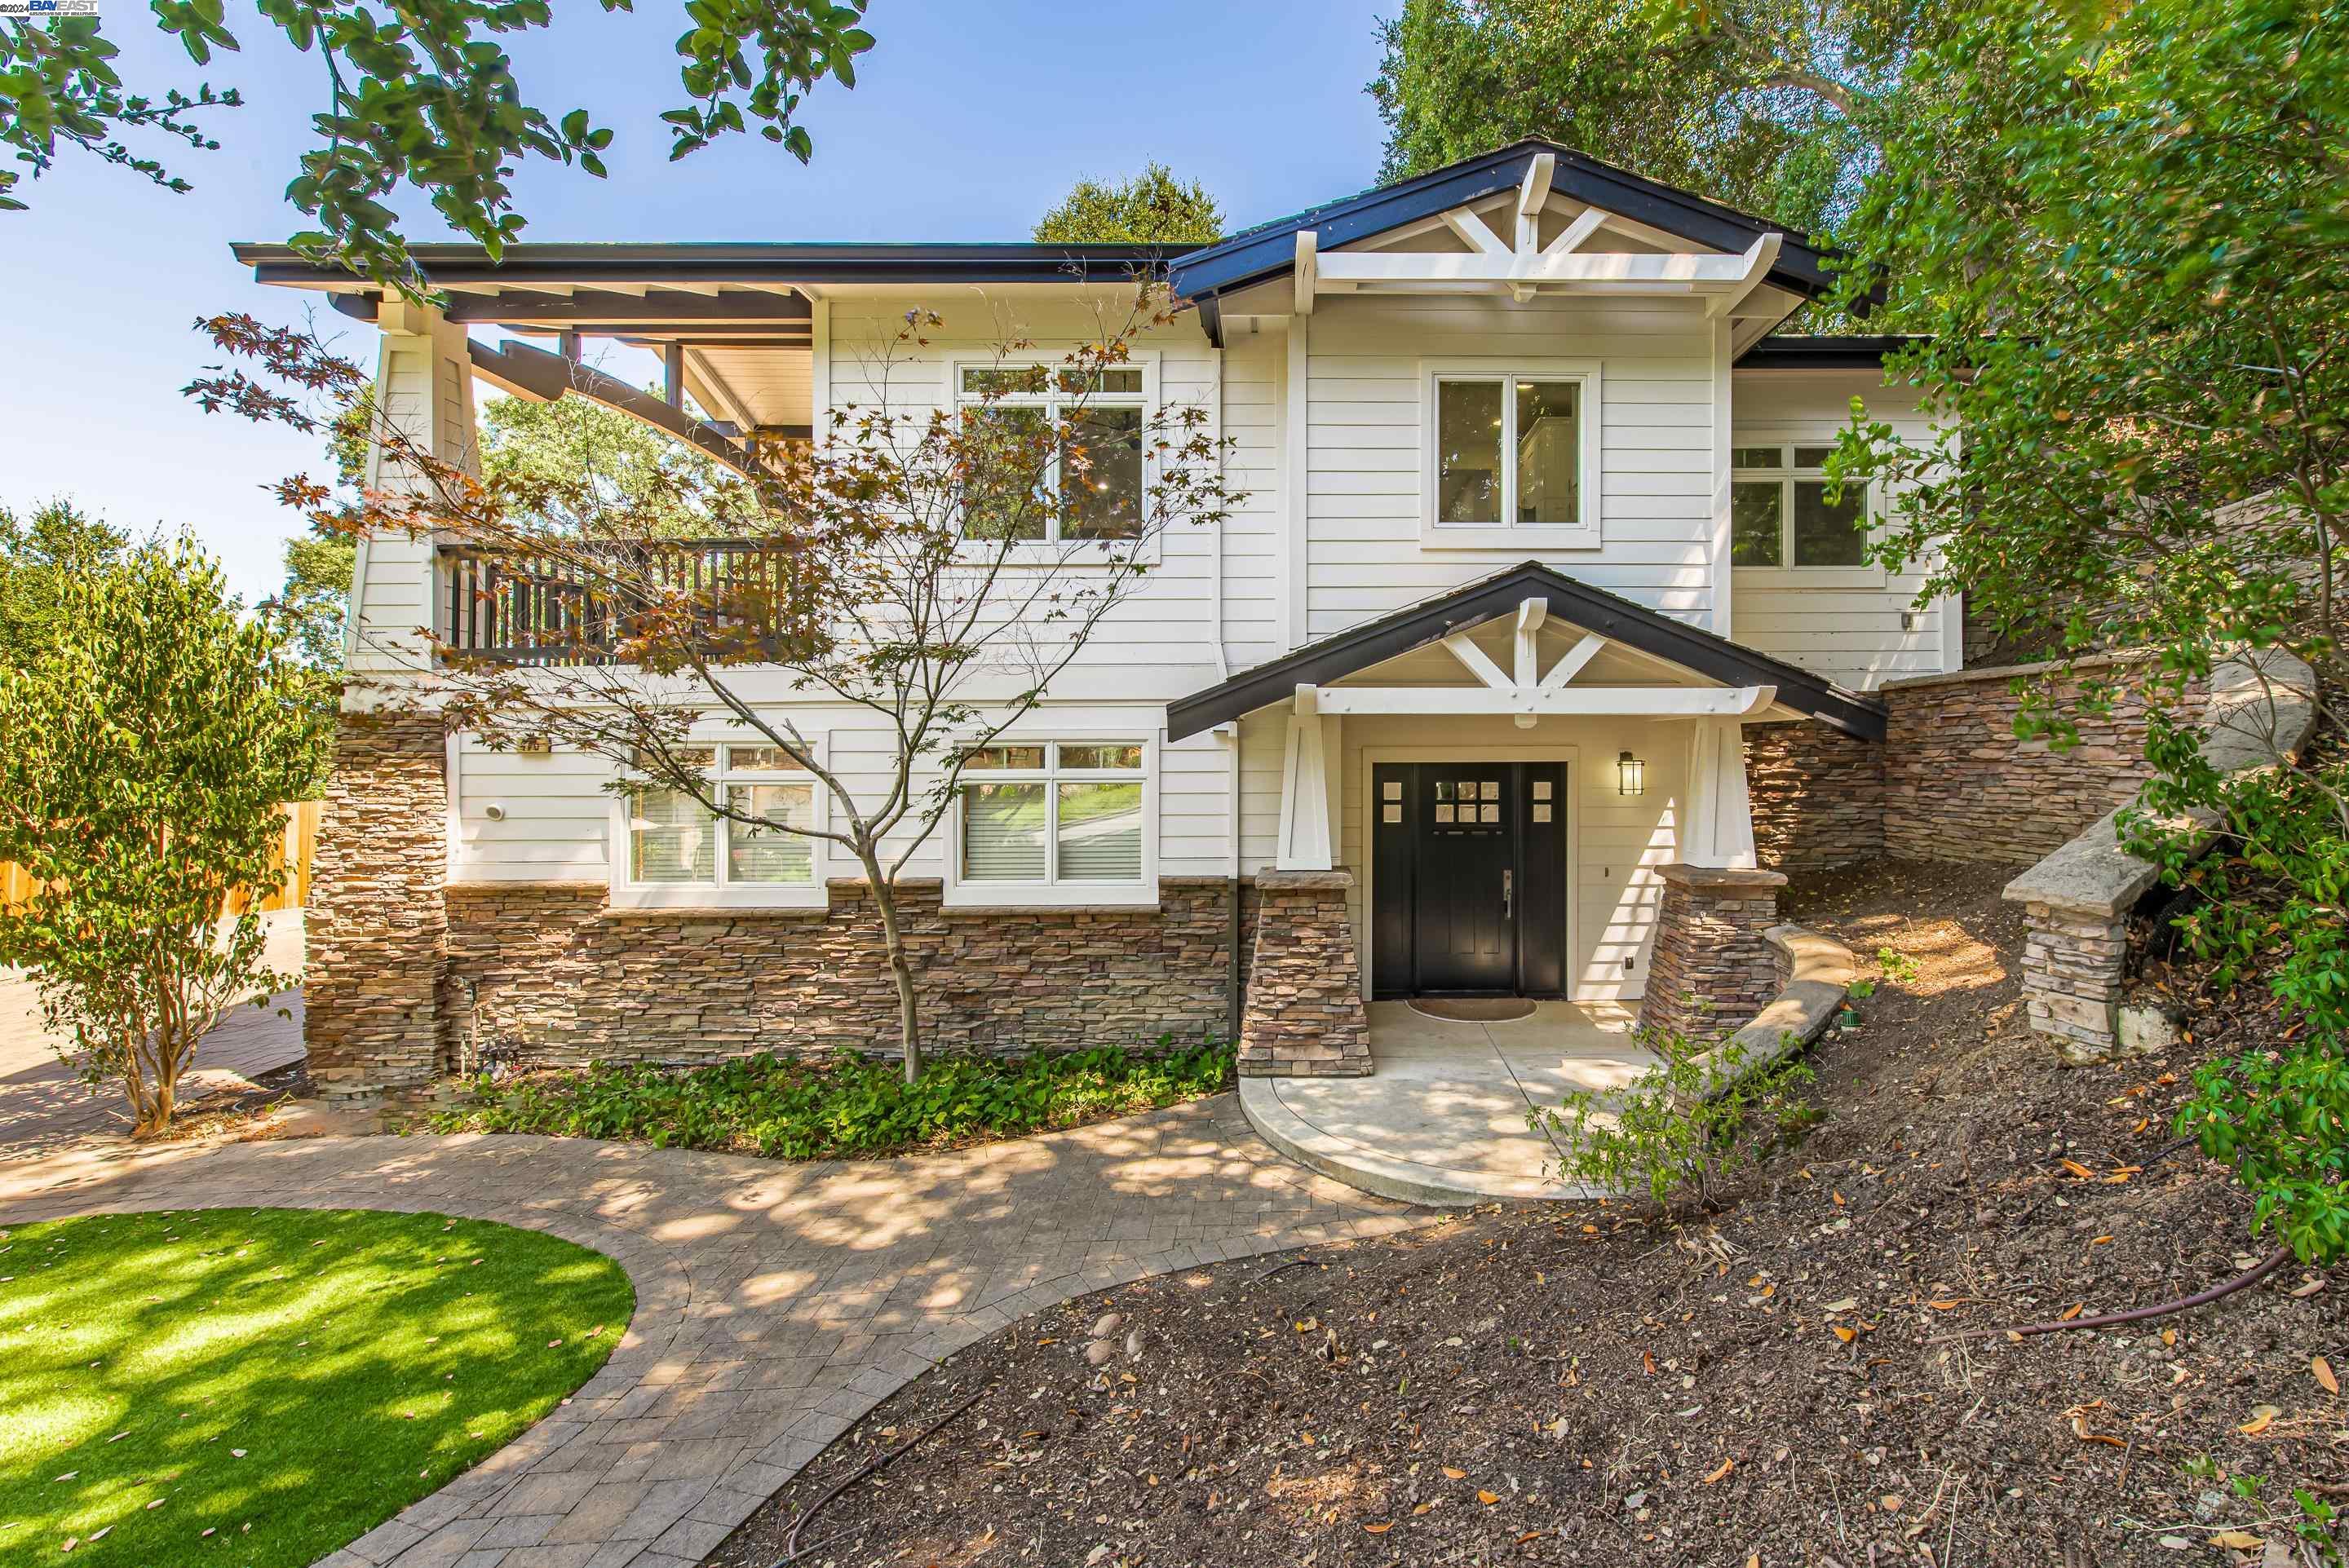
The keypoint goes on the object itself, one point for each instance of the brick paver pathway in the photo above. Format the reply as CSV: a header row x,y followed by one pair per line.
x,y
44,1108
775,1303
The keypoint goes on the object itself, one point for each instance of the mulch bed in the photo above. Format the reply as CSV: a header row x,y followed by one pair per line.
x,y
1777,1383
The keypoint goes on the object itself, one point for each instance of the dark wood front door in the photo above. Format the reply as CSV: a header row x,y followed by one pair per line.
x,y
1469,874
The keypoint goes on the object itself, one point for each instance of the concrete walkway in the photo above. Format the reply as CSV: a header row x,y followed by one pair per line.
x,y
44,1108
1443,1117
775,1303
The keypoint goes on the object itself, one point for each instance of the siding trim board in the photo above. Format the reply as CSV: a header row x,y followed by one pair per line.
x,y
1615,618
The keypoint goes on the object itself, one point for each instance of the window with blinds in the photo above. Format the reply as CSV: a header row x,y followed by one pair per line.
x,y
1055,814
674,841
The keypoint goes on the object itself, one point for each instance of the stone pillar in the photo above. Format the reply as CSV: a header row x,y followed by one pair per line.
x,y
2073,962
1304,1015
376,929
1711,969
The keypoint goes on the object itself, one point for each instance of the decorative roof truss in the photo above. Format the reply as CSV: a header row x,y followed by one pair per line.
x,y
1521,266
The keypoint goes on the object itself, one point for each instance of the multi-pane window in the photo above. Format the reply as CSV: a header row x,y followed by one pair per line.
x,y
673,841
1084,444
1508,451
1780,514
1048,814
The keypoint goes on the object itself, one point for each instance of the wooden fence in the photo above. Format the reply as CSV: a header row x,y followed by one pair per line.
x,y
298,849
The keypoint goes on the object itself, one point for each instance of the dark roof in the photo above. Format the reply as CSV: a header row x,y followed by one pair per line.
x,y
739,261
1270,249
1801,353
1593,609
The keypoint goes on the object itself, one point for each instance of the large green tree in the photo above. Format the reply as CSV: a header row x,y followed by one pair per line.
x,y
421,97
1153,208
2126,238
40,552
586,463
1766,105
150,742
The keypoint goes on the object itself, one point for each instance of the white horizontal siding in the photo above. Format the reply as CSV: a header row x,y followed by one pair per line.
x,y
1853,636
1365,448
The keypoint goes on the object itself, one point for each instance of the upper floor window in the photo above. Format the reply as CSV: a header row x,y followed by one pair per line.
x,y
1513,454
1052,814
1780,514
1090,486
674,842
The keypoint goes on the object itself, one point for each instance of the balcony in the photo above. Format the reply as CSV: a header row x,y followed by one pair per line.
x,y
585,606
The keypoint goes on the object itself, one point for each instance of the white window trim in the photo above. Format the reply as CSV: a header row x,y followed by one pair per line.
x,y
1075,551
961,895
627,893
1867,574
1587,534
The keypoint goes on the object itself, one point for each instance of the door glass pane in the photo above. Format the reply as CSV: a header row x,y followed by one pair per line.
x,y
1101,473
1550,451
769,854
1754,524
1003,832
1468,451
1827,535
1101,832
670,838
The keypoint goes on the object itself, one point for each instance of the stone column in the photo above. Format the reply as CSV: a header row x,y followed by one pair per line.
x,y
2073,960
1304,1015
1711,969
376,928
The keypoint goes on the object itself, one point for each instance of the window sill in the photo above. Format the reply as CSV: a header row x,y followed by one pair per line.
x,y
1810,576
995,899
812,901
1523,537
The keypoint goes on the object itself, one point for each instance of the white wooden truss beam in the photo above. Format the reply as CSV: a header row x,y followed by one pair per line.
x,y
1306,843
1585,702
1718,832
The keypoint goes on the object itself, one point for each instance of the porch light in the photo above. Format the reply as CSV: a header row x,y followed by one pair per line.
x,y
1630,774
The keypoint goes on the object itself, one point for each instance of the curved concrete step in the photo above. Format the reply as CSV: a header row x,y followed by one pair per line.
x,y
1359,1166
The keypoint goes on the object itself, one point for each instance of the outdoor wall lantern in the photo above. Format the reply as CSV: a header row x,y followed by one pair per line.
x,y
1630,774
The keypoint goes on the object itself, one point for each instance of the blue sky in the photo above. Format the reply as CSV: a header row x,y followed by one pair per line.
x,y
968,120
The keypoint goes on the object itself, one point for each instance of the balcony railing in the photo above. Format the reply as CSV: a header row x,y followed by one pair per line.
x,y
578,610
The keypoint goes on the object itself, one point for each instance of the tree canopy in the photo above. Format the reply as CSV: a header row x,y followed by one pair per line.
x,y
40,554
1764,105
422,96
1153,208
2125,239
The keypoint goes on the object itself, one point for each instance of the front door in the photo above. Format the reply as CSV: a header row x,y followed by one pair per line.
x,y
1469,871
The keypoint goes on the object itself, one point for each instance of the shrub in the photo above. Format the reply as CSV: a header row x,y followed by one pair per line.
x,y
1682,1126
792,1109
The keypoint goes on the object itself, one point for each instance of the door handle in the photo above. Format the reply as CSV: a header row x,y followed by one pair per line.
x,y
1506,893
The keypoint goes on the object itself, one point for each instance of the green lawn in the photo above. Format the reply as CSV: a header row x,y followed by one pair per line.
x,y
257,1386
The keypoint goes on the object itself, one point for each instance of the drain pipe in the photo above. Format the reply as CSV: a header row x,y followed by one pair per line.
x,y
1232,785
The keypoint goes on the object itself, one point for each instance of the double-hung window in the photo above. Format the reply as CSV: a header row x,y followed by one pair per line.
x,y
1083,445
1780,515
678,850
1054,816
1513,455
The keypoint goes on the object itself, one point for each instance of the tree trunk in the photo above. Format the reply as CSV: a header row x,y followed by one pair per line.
x,y
901,969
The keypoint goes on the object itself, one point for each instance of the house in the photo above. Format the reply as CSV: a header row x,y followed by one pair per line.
x,y
1538,581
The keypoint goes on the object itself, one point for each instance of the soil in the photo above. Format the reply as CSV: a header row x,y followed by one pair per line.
x,y
1779,1382
239,1114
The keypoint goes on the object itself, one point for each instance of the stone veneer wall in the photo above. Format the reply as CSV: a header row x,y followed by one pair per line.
x,y
560,978
1712,968
1817,794
1304,1015
376,933
1958,786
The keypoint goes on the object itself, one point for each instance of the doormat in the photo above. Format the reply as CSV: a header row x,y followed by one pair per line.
x,y
1474,1009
